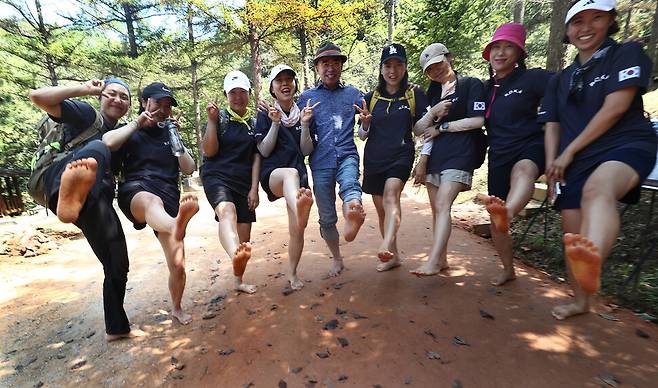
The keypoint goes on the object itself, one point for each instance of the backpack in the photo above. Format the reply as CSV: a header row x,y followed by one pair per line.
x,y
408,96
51,150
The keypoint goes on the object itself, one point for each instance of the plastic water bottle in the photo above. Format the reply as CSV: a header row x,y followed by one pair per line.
x,y
176,143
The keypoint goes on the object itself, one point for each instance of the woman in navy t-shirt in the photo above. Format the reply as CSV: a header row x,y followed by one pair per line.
x,y
148,193
231,167
454,148
599,145
389,151
283,134
516,139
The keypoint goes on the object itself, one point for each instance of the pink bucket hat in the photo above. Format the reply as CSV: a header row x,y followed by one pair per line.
x,y
511,32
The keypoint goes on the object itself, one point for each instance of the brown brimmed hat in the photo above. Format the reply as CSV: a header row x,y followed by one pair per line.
x,y
329,50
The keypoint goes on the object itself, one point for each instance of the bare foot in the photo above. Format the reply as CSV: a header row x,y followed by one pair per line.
x,y
296,283
498,211
133,333
503,278
384,254
241,257
354,219
389,265
584,261
246,288
182,317
189,206
304,203
336,268
430,269
76,182
568,310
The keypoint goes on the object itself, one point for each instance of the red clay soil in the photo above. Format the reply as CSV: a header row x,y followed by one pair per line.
x,y
374,329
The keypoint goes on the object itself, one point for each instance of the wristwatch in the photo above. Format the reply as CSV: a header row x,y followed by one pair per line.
x,y
444,126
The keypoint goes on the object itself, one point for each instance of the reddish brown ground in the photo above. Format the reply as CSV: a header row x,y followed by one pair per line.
x,y
51,323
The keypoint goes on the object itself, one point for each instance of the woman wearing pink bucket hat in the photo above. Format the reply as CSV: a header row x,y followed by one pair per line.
x,y
516,140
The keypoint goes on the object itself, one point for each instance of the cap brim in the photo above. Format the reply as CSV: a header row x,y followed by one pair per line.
x,y
487,49
402,59
231,87
598,7
437,59
341,56
159,96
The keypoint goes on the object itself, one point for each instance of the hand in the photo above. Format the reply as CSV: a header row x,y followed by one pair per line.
x,y
431,133
364,115
420,172
212,111
440,110
273,113
176,120
252,199
148,117
555,171
94,87
550,191
307,112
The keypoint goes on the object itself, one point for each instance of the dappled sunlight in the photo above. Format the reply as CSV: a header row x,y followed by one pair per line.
x,y
564,340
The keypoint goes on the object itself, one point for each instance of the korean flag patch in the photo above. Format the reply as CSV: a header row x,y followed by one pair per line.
x,y
631,72
479,105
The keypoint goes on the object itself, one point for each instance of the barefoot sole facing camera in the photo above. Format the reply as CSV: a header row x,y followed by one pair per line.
x,y
584,261
77,180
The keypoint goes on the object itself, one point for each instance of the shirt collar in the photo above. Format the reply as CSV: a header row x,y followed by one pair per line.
x,y
341,85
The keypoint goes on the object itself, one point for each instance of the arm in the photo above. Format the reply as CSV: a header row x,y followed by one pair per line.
x,y
252,197
363,133
305,141
49,98
551,146
465,124
266,145
186,163
115,138
210,143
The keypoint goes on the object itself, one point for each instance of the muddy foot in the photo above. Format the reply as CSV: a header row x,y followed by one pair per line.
x,y
240,259
354,219
389,265
246,288
134,333
503,278
77,180
568,310
182,317
336,268
384,255
304,203
189,206
498,211
429,269
584,261
296,283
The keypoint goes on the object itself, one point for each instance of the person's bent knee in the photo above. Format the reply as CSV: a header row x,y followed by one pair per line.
x,y
177,269
226,211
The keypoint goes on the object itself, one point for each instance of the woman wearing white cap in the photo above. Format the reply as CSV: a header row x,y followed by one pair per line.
x,y
599,145
283,134
230,172
454,148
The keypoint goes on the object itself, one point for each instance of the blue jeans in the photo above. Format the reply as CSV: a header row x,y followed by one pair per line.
x,y
324,188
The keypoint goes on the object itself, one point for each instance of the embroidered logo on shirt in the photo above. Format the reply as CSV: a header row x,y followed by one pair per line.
x,y
404,107
599,79
513,91
479,105
631,72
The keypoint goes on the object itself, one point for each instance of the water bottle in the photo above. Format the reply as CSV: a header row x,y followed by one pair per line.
x,y
177,147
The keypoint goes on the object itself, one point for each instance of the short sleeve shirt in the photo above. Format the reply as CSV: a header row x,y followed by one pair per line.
x,y
77,116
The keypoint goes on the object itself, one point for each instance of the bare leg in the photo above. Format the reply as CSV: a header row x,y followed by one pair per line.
x,y
77,180
244,233
174,251
392,216
354,218
442,205
336,258
230,239
295,248
284,182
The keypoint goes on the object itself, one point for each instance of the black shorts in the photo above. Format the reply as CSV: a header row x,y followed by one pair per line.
x,y
498,180
170,197
374,183
641,161
216,192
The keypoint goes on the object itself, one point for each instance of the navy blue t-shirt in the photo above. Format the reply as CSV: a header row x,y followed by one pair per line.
x,y
232,163
624,66
458,150
390,141
287,150
512,124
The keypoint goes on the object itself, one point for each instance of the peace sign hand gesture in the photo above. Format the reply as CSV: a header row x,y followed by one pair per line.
x,y
364,115
272,112
307,112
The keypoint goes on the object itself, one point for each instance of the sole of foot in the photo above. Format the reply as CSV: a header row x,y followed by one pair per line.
x,y
584,261
304,203
383,267
568,310
134,333
75,184
189,206
182,317
498,211
355,217
240,258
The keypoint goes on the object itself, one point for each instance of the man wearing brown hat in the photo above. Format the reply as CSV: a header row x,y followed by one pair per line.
x,y
335,158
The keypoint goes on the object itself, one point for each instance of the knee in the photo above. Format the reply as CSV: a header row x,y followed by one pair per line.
x,y
153,201
177,269
391,197
226,213
592,191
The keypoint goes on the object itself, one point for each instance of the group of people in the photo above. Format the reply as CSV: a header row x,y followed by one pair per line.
x,y
584,128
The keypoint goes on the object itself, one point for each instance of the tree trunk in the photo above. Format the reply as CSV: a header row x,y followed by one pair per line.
x,y
132,42
653,45
555,55
391,20
195,86
519,11
254,45
627,25
305,82
44,36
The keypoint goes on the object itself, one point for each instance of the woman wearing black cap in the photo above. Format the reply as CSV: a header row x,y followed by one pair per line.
x,y
387,117
149,192
599,145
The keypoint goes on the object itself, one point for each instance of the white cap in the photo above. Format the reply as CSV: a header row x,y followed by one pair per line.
x,y
583,5
276,70
236,79
434,53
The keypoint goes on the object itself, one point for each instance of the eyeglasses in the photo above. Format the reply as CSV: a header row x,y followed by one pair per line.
x,y
122,96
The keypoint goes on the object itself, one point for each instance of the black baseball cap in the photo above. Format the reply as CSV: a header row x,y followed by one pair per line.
x,y
158,90
329,50
393,51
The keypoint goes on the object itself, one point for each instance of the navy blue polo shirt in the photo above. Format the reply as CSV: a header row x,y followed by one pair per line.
x,y
232,163
147,156
458,150
287,150
390,140
624,66
335,118
512,124
77,116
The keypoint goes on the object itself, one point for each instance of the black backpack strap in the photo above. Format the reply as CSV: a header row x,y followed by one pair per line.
x,y
87,134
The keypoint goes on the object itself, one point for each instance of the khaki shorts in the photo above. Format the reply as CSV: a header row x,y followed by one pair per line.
x,y
450,175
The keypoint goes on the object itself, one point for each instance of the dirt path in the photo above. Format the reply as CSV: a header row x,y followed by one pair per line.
x,y
392,329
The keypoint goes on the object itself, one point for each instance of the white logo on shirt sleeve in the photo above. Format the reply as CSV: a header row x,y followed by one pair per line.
x,y
631,72
479,105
